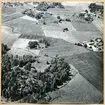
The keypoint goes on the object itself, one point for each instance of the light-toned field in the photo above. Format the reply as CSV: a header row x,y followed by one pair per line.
x,y
29,18
68,25
42,65
8,37
20,47
57,32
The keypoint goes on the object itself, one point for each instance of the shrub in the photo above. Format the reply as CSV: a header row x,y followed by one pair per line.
x,y
38,16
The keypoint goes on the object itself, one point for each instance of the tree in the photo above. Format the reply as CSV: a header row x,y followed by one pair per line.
x,y
28,66
38,15
33,44
58,17
4,49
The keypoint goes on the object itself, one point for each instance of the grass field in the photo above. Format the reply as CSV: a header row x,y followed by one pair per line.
x,y
63,50
57,32
86,35
8,37
48,19
78,90
61,12
24,26
20,52
99,24
11,17
81,26
67,25
90,66
8,10
42,65
20,47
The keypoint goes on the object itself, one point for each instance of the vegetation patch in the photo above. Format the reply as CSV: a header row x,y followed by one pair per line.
x,y
24,81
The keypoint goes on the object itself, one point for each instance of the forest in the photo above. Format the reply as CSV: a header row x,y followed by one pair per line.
x,y
20,80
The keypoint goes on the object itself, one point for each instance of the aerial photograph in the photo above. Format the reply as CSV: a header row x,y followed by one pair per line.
x,y
52,52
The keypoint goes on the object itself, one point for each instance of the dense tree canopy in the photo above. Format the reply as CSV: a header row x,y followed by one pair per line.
x,y
20,80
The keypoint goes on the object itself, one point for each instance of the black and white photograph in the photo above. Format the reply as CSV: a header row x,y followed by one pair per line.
x,y
52,52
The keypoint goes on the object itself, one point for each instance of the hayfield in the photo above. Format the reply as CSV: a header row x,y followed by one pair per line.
x,y
24,26
90,66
